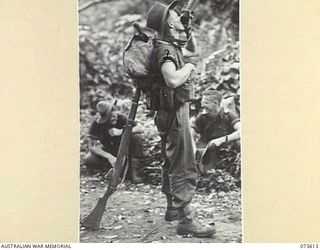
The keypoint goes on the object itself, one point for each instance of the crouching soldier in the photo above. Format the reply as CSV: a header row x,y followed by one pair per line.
x,y
217,128
104,140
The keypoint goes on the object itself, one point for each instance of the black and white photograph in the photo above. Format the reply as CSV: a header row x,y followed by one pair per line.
x,y
160,147
160,121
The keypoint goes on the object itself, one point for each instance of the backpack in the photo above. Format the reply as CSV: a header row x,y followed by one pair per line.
x,y
137,62
137,57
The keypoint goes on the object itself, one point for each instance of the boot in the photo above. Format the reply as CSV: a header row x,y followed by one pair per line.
x,y
171,212
188,226
135,166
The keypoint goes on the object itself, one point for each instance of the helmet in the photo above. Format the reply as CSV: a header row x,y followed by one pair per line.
x,y
157,15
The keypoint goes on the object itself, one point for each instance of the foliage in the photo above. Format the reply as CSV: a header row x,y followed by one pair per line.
x,y
104,32
226,11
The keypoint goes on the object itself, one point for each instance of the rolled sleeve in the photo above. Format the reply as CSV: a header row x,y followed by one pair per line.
x,y
233,118
94,131
166,53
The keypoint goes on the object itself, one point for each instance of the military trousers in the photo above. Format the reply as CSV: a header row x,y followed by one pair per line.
x,y
93,161
179,173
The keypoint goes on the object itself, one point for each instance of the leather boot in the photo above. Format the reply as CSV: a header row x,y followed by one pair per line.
x,y
188,226
171,212
135,166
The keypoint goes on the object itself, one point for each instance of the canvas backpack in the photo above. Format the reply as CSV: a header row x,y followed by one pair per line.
x,y
137,61
137,57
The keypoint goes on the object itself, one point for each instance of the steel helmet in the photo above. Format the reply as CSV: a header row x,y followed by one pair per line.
x,y
157,16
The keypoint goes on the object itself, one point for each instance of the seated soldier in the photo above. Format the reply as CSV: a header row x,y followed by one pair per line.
x,y
104,140
217,128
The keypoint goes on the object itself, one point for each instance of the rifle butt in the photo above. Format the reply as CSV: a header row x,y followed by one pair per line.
x,y
93,219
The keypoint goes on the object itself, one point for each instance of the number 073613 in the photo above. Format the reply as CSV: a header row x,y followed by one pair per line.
x,y
309,245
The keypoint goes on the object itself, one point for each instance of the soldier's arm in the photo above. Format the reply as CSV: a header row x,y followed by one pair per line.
x,y
119,131
93,141
194,133
236,134
193,128
226,138
137,129
173,77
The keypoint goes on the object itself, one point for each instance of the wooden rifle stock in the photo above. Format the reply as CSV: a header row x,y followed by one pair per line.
x,y
93,219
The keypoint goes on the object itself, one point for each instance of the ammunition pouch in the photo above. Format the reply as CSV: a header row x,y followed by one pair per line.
x,y
160,98
185,93
167,101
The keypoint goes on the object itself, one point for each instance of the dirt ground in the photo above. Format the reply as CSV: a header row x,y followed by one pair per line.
x,y
135,213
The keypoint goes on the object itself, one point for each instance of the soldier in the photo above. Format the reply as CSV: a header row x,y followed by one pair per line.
x,y
217,127
172,118
104,140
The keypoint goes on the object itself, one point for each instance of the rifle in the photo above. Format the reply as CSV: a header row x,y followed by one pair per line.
x,y
93,219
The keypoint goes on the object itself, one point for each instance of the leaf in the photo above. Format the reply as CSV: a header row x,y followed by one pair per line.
x,y
110,237
129,221
120,217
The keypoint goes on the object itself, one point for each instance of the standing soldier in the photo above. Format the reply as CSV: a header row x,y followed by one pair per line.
x,y
172,119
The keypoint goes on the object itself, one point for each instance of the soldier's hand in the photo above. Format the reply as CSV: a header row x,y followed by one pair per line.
x,y
192,67
112,161
216,142
192,75
186,17
115,132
